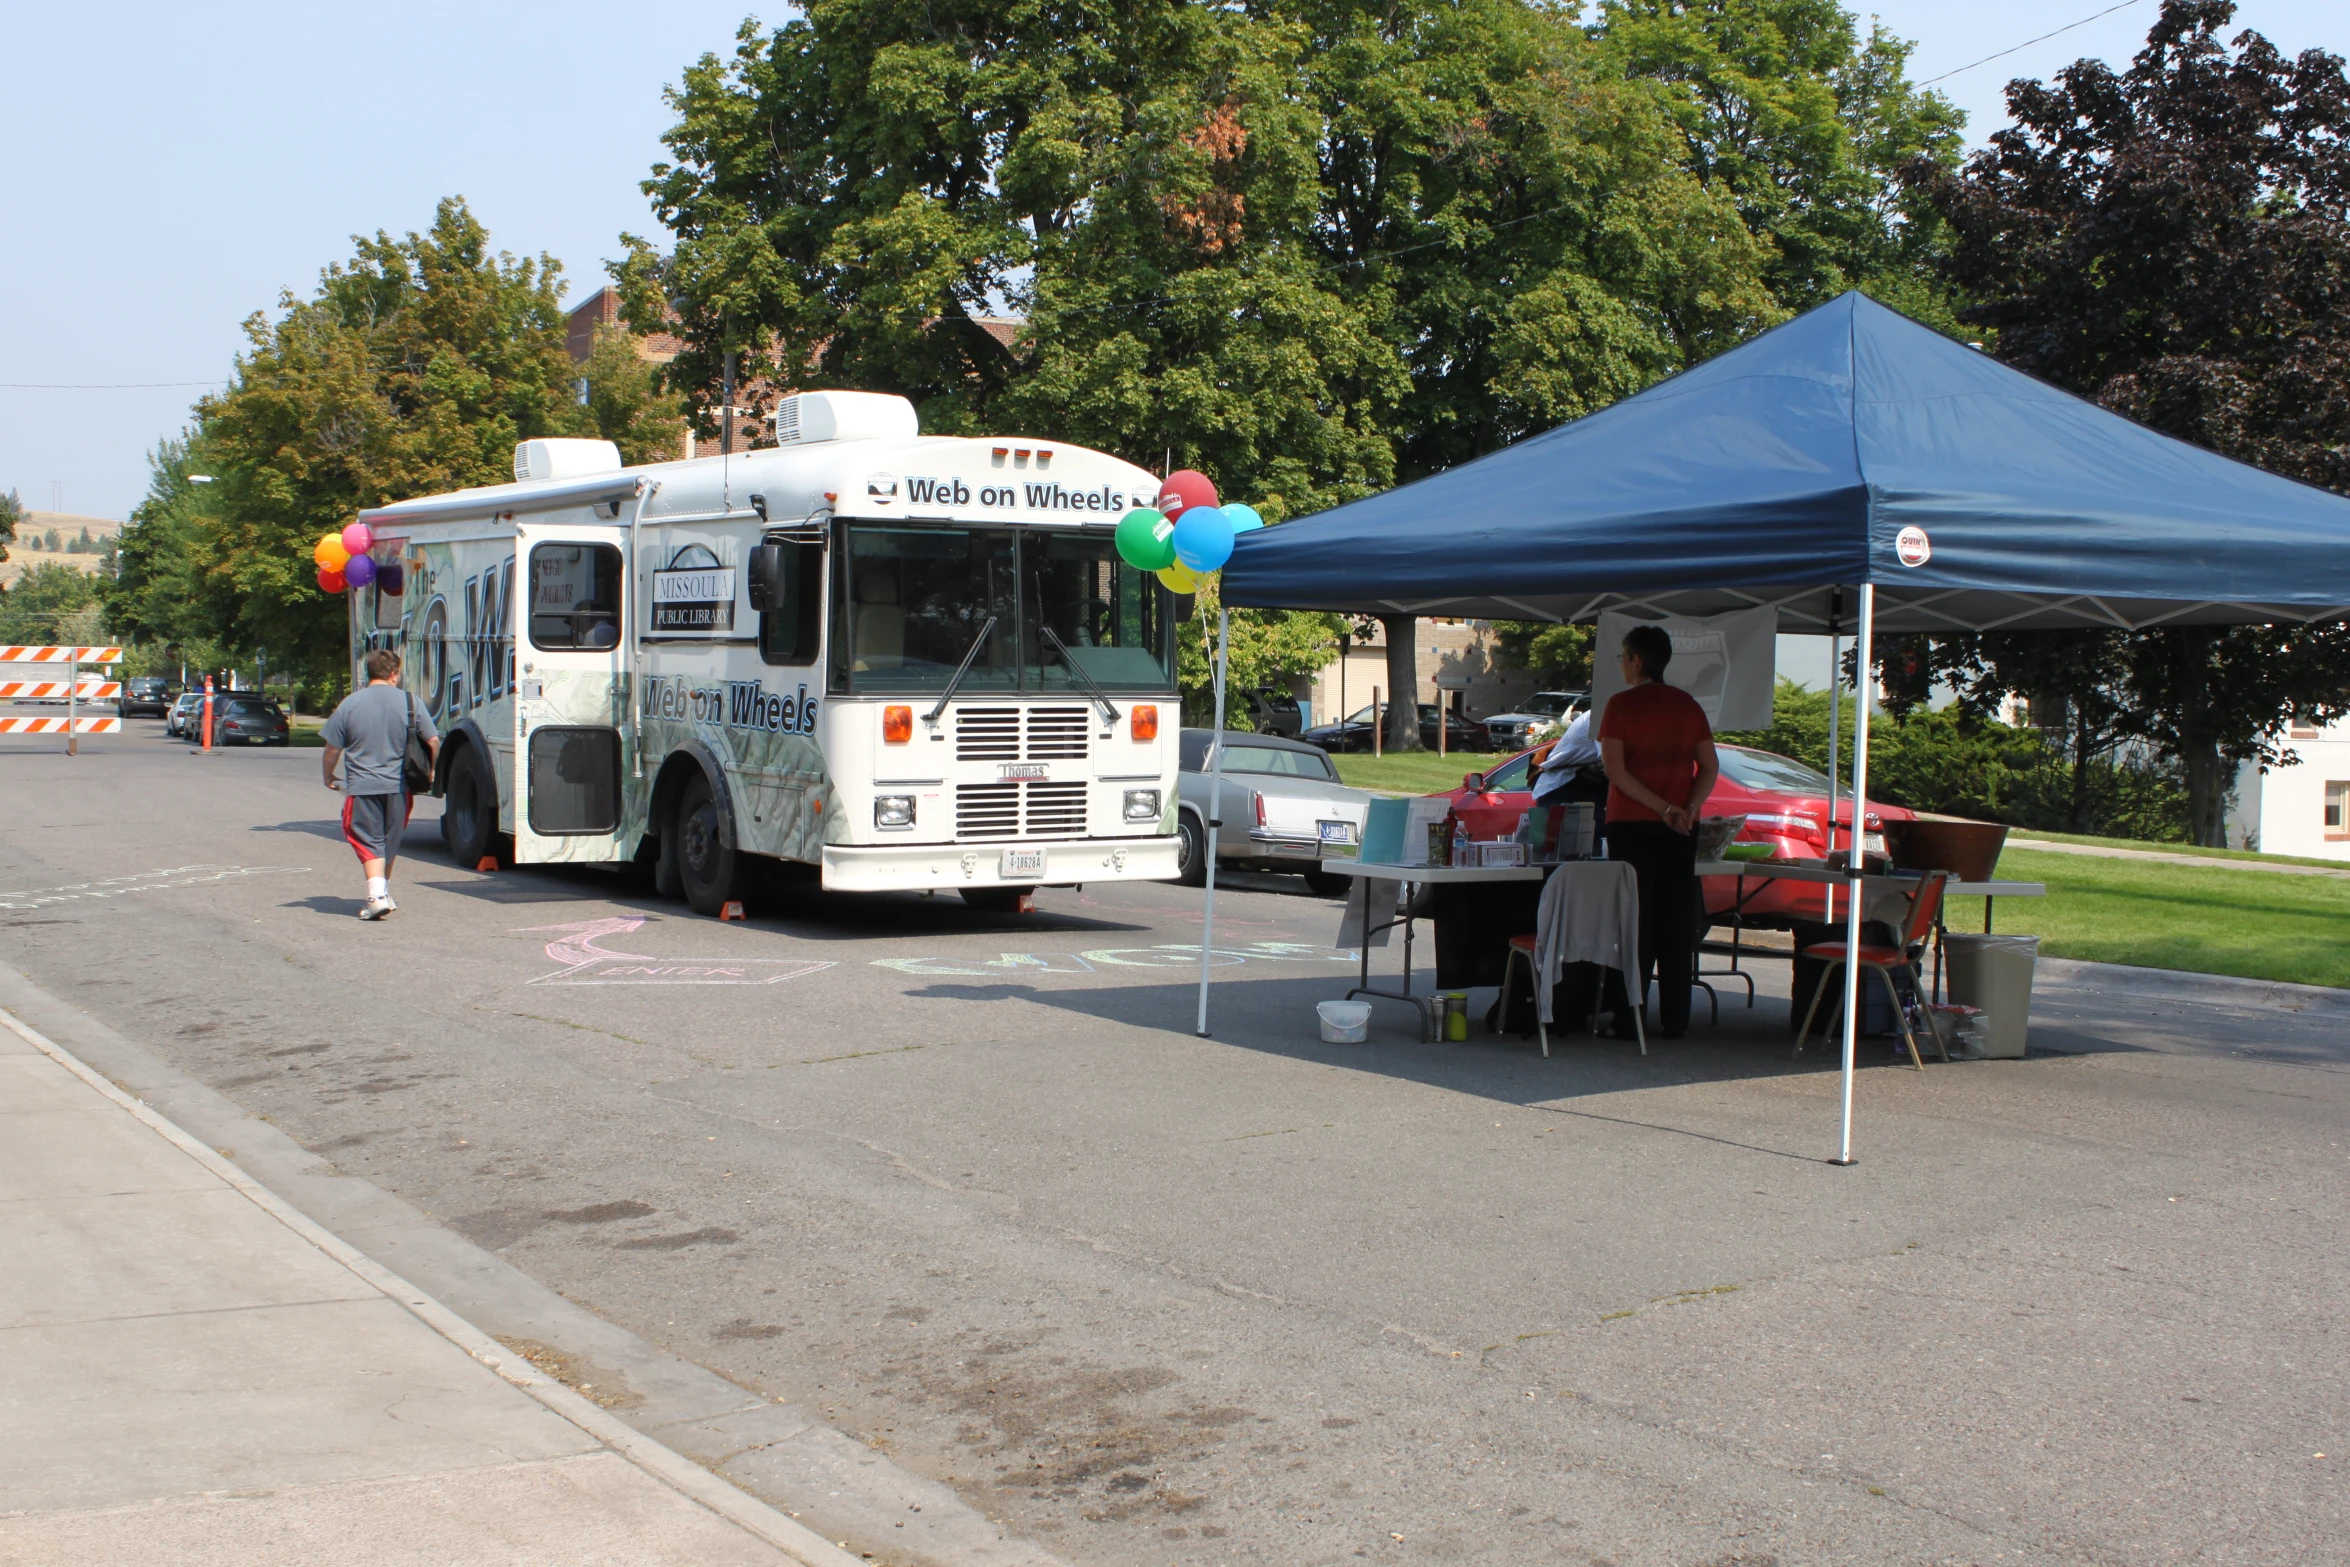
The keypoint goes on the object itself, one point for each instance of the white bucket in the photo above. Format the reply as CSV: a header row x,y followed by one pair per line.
x,y
1344,1022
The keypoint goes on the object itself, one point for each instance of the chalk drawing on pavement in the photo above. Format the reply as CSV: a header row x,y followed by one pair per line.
x,y
143,881
586,963
1172,955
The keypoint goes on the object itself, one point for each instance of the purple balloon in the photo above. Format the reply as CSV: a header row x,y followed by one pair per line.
x,y
359,571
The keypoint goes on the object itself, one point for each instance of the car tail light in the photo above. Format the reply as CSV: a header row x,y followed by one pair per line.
x,y
1260,810
897,725
1145,724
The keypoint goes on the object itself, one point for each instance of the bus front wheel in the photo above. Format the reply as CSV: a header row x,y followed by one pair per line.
x,y
709,870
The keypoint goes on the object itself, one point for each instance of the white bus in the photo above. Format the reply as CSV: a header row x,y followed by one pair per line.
x,y
910,662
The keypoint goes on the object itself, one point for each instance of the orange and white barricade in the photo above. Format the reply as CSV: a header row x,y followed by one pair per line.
x,y
75,689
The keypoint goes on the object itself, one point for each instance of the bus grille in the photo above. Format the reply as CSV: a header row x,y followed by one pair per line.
x,y
1058,733
987,734
987,810
1012,734
1014,810
1056,810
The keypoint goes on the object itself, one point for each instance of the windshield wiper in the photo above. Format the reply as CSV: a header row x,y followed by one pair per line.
x,y
962,669
1109,713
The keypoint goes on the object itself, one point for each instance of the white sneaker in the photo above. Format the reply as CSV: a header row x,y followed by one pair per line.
x,y
375,908
391,904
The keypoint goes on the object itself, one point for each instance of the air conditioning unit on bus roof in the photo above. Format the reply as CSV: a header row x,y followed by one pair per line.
x,y
805,417
563,458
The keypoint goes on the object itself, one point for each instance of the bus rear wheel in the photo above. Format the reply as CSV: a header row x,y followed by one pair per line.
x,y
708,869
469,809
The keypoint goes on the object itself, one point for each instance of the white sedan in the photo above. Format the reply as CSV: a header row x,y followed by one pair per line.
x,y
1283,808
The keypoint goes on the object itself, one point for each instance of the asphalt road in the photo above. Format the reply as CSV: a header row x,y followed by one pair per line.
x,y
969,1187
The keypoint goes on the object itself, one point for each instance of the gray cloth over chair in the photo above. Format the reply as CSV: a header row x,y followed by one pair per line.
x,y
1590,913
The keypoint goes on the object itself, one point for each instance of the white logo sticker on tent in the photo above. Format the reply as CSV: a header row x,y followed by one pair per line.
x,y
1912,547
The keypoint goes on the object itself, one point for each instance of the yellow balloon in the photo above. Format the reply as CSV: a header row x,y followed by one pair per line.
x,y
330,552
1180,578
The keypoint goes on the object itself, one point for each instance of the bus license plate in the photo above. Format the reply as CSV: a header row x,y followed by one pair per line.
x,y
1021,862
1338,832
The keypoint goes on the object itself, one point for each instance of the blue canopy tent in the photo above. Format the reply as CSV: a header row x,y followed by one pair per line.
x,y
1850,456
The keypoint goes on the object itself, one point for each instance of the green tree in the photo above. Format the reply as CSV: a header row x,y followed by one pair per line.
x,y
415,367
1269,647
1557,654
11,513
52,603
2170,241
1807,127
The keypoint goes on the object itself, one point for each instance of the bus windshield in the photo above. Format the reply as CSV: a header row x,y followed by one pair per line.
x,y
909,602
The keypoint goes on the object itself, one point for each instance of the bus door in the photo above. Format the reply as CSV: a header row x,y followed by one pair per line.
x,y
570,691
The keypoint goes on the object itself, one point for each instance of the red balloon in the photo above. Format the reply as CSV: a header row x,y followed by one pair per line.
x,y
1185,487
330,579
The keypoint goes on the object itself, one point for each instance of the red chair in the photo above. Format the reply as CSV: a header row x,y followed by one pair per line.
x,y
1925,905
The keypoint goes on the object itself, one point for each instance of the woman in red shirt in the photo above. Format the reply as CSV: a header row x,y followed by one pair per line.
x,y
1659,753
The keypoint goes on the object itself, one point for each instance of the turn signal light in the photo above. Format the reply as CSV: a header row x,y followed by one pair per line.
x,y
1146,723
897,725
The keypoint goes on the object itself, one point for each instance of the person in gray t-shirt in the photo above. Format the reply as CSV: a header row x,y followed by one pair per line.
x,y
368,735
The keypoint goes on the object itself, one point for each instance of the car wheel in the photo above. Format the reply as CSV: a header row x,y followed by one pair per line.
x,y
1191,860
1327,884
469,809
996,900
709,870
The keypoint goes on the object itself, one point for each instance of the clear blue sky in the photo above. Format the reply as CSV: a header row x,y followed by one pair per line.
x,y
172,168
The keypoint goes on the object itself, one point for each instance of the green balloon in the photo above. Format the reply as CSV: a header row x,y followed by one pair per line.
x,y
1146,540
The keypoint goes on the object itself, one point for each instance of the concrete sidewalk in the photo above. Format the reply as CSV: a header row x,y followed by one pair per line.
x,y
199,1374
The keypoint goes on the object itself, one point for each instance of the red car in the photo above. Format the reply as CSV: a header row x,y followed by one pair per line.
x,y
1785,804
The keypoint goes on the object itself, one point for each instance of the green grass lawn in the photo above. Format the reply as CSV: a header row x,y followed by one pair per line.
x,y
2291,928
1413,772
2179,848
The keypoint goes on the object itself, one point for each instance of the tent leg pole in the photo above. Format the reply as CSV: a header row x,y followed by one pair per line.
x,y
1855,862
1835,716
1207,932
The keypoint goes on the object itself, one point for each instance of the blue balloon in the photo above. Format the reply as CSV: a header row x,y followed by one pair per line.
x,y
1244,518
1203,537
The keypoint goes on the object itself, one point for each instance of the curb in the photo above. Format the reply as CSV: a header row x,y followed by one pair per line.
x,y
671,1468
2184,985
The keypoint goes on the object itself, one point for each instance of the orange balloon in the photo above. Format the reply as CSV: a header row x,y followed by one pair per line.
x,y
330,552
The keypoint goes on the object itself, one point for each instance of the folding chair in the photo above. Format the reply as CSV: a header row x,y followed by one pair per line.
x,y
1925,905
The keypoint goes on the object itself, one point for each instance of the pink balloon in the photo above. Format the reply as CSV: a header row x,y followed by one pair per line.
x,y
358,538
1185,487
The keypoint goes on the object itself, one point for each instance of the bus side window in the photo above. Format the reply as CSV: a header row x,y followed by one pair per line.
x,y
792,627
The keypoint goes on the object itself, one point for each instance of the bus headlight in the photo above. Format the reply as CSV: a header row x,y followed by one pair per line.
x,y
1142,805
893,810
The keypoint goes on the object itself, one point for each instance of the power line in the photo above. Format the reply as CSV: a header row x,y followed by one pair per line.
x,y
2026,44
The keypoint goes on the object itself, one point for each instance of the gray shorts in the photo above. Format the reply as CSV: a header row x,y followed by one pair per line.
x,y
373,824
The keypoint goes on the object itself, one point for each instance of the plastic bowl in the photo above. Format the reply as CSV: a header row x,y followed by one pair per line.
x,y
1344,1022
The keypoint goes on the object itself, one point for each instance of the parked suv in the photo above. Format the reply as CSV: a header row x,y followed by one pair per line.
x,y
145,695
1509,730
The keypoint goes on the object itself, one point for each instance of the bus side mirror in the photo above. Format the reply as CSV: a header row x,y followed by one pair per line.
x,y
766,577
